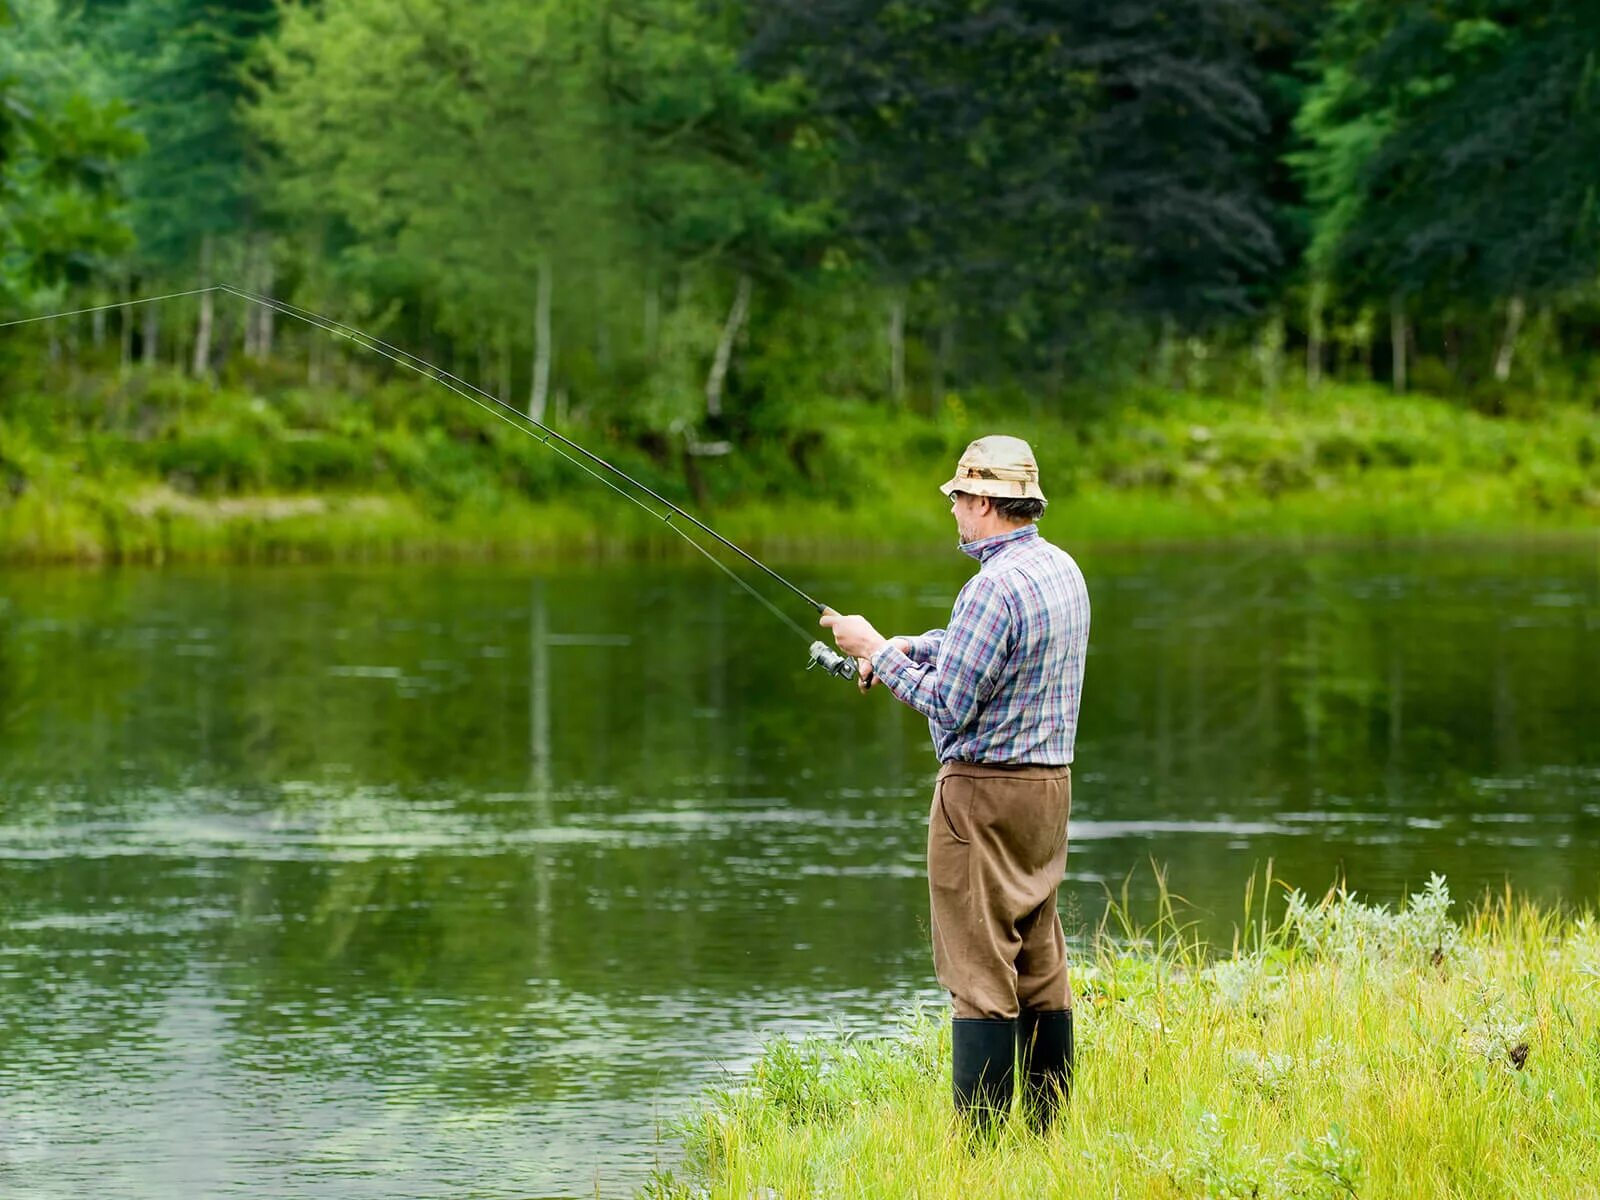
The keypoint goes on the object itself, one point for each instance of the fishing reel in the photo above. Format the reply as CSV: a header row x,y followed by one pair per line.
x,y
832,662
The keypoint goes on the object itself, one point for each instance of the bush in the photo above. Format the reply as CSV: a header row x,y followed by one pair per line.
x,y
221,461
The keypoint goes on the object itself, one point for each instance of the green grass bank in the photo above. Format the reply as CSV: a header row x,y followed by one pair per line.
x,y
1341,1050
157,467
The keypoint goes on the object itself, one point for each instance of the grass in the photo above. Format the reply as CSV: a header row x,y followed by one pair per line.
x,y
1340,1050
158,467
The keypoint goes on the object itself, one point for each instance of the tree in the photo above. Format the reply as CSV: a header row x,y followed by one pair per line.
x,y
1043,163
532,166
1454,154
61,210
182,64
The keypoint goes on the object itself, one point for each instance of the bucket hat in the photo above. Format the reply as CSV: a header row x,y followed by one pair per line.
x,y
999,466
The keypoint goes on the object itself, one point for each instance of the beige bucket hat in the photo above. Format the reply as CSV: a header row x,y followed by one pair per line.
x,y
997,466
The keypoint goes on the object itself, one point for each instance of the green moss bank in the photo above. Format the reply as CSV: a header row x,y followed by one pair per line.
x,y
160,468
1347,1051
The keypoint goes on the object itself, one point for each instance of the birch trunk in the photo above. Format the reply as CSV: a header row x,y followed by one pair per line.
x,y
150,337
1314,337
897,350
97,326
503,390
540,392
252,318
202,329
264,326
730,331
652,319
125,329
942,363
1397,341
1515,311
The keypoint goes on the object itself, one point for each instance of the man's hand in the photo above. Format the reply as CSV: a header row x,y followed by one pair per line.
x,y
854,634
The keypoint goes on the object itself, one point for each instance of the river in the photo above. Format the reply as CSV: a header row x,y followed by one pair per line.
x,y
425,881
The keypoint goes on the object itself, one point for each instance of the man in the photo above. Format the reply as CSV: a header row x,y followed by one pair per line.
x,y
1000,688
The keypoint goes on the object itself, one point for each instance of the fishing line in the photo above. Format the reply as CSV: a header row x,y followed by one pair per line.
x,y
465,390
424,367
78,312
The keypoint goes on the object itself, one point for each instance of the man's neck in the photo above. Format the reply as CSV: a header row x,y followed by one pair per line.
x,y
980,548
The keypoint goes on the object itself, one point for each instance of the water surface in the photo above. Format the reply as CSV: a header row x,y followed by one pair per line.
x,y
413,882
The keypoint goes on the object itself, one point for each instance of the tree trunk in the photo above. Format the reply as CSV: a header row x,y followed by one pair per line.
x,y
1270,357
897,350
1515,311
252,318
652,318
125,329
941,363
202,329
97,328
1167,354
264,318
150,336
1314,337
540,392
730,331
1397,341
503,390
602,326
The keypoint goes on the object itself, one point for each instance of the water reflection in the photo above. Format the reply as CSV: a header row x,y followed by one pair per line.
x,y
401,882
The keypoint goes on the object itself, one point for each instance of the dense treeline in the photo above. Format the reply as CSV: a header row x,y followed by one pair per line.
x,y
690,219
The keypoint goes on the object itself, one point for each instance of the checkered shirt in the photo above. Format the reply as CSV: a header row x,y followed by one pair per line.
x,y
1002,683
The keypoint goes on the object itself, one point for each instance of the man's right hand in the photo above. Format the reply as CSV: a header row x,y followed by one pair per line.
x,y
865,679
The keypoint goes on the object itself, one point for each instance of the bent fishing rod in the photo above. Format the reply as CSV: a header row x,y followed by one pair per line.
x,y
818,654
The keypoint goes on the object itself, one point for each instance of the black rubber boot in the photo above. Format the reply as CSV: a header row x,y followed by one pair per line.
x,y
981,1069
1044,1050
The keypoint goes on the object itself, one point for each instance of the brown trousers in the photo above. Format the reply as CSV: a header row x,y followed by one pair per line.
x,y
997,849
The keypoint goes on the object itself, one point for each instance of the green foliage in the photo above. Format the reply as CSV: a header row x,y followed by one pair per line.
x,y
776,228
1109,169
181,64
1455,149
61,207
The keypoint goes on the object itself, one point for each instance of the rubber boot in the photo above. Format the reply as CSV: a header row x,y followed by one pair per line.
x,y
1044,1050
981,1069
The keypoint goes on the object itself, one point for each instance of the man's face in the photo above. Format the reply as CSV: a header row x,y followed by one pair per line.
x,y
968,511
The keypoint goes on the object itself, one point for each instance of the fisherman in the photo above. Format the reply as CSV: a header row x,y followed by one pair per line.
x,y
1000,688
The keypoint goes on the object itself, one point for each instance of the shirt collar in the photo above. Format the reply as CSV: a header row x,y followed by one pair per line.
x,y
986,548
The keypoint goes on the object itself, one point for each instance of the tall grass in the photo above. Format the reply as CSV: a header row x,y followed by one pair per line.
x,y
160,467
1338,1049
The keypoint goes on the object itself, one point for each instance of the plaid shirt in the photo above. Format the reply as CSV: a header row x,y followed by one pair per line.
x,y
1002,683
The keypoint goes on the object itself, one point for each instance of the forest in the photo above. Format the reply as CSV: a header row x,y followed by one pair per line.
x,y
720,235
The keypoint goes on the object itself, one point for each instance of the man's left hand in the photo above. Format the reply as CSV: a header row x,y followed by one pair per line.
x,y
854,634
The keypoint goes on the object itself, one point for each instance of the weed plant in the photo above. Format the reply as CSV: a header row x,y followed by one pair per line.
x,y
1343,1049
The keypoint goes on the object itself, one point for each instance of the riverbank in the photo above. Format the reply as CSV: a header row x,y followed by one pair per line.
x,y
159,468
1344,1051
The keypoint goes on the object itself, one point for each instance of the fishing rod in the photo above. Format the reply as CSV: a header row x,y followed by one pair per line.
x,y
818,654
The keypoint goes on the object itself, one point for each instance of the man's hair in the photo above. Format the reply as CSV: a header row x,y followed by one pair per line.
x,y
1018,508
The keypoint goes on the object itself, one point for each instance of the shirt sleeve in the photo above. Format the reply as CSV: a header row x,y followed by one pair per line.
x,y
924,647
969,662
